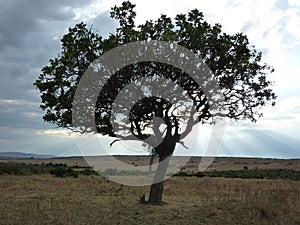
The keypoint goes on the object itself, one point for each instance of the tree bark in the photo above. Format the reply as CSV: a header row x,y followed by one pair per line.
x,y
152,158
156,190
164,151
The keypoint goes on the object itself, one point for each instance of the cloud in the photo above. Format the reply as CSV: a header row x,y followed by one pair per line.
x,y
281,117
19,113
38,141
14,102
103,24
55,132
90,11
281,4
5,141
294,2
25,51
19,18
260,143
26,45
293,22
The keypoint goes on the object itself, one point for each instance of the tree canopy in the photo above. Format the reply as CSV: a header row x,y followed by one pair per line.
x,y
235,63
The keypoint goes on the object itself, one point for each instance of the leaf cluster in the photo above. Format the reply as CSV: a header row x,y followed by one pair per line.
x,y
235,63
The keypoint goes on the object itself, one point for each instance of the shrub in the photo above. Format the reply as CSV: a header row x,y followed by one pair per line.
x,y
247,174
64,172
88,172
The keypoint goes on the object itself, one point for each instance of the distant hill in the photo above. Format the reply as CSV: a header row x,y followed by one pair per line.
x,y
22,155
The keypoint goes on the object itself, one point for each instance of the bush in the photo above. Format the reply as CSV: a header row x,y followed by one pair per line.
x,y
88,172
58,170
12,168
247,174
64,172
257,174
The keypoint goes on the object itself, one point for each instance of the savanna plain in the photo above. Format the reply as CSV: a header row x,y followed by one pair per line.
x,y
91,199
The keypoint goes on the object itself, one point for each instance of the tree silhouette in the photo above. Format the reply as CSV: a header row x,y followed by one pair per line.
x,y
159,122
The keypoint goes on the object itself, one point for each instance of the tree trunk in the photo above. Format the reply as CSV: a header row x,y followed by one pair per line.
x,y
156,190
152,158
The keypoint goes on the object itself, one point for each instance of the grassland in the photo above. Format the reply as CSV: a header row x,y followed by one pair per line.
x,y
219,163
46,199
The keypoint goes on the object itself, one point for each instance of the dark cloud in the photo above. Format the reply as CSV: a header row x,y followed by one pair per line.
x,y
20,17
30,33
27,31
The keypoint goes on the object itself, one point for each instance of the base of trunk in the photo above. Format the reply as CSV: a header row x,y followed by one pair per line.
x,y
156,191
154,204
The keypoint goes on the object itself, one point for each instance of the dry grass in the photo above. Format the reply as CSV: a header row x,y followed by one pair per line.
x,y
45,199
219,164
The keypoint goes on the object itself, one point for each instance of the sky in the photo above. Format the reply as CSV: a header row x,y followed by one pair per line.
x,y
30,33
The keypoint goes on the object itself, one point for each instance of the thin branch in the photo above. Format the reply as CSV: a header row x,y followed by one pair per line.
x,y
110,145
182,143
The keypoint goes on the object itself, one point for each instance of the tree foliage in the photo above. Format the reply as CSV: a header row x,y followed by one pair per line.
x,y
235,63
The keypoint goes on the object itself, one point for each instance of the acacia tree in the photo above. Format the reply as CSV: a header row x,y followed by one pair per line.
x,y
236,65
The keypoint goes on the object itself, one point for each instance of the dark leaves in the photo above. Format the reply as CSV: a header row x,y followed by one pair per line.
x,y
235,63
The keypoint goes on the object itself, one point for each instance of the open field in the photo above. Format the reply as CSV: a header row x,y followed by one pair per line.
x,y
91,199
219,163
45,199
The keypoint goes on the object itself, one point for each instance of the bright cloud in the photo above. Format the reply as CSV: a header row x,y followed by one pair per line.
x,y
55,132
